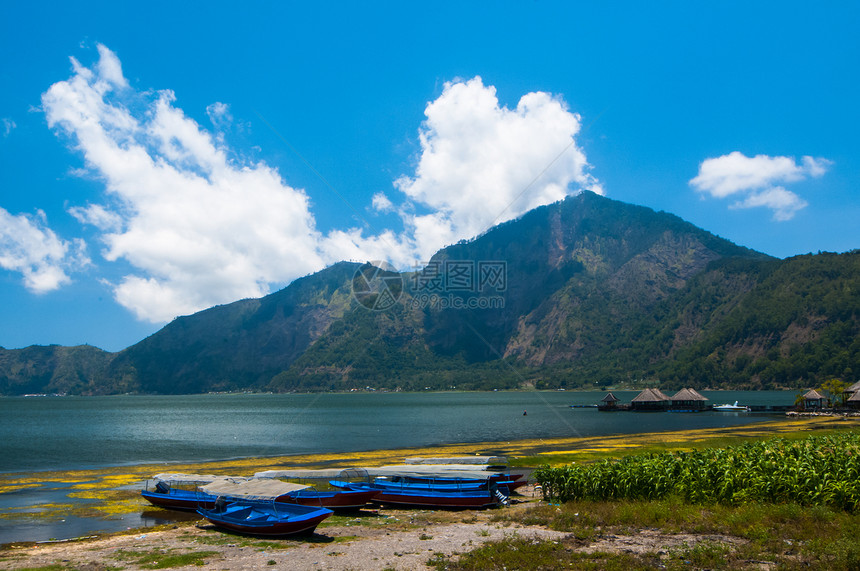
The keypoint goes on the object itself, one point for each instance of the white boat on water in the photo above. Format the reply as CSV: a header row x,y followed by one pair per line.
x,y
731,408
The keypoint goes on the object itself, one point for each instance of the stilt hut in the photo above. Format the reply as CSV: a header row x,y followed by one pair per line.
x,y
688,399
854,400
813,400
851,395
609,403
650,399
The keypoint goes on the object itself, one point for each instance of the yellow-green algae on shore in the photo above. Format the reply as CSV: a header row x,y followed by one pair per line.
x,y
115,491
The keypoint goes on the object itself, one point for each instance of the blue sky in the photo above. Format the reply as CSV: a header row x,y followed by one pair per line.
x,y
158,160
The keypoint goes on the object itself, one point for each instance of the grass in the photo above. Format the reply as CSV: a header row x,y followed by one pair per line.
x,y
784,536
158,559
220,538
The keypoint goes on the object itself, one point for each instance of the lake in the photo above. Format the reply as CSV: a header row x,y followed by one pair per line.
x,y
67,433
62,433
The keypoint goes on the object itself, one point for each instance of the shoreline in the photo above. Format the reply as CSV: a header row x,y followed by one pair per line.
x,y
106,494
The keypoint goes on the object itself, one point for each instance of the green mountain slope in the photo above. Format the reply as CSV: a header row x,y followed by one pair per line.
x,y
238,345
55,369
585,292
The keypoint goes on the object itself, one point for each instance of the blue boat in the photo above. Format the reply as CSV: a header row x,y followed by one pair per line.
x,y
264,517
194,491
423,490
180,491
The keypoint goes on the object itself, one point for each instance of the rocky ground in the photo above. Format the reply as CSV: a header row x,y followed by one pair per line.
x,y
368,540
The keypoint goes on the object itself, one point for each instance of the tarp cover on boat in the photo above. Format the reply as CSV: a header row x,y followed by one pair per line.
x,y
300,474
442,468
437,471
255,489
487,461
189,479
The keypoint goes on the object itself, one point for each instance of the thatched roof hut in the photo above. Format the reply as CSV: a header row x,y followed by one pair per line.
x,y
688,399
650,399
813,399
610,402
851,395
688,395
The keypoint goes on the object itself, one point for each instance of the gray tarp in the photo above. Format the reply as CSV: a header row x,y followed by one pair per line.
x,y
262,489
189,479
469,460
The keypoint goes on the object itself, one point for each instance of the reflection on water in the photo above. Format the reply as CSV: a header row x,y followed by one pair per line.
x,y
73,526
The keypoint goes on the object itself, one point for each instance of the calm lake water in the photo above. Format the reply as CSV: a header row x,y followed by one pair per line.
x,y
60,433
63,433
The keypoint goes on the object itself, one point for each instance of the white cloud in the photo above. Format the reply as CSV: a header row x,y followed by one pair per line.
x,y
29,247
201,229
757,180
352,245
8,126
98,216
219,114
198,229
382,203
480,164
109,68
783,203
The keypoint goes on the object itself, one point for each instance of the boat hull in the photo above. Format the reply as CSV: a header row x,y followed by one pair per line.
x,y
186,500
336,500
268,519
177,499
422,496
436,500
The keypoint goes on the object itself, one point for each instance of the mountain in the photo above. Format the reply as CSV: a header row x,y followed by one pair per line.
x,y
54,369
584,292
238,345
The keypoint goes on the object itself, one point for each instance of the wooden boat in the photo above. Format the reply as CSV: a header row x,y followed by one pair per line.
x,y
264,517
186,492
459,479
447,492
180,491
331,499
446,483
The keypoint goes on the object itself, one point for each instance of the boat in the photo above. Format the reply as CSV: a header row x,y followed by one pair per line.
x,y
172,491
261,516
459,474
180,491
331,499
452,482
426,491
731,408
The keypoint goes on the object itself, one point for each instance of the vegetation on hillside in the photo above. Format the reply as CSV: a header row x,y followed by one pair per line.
x,y
595,293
